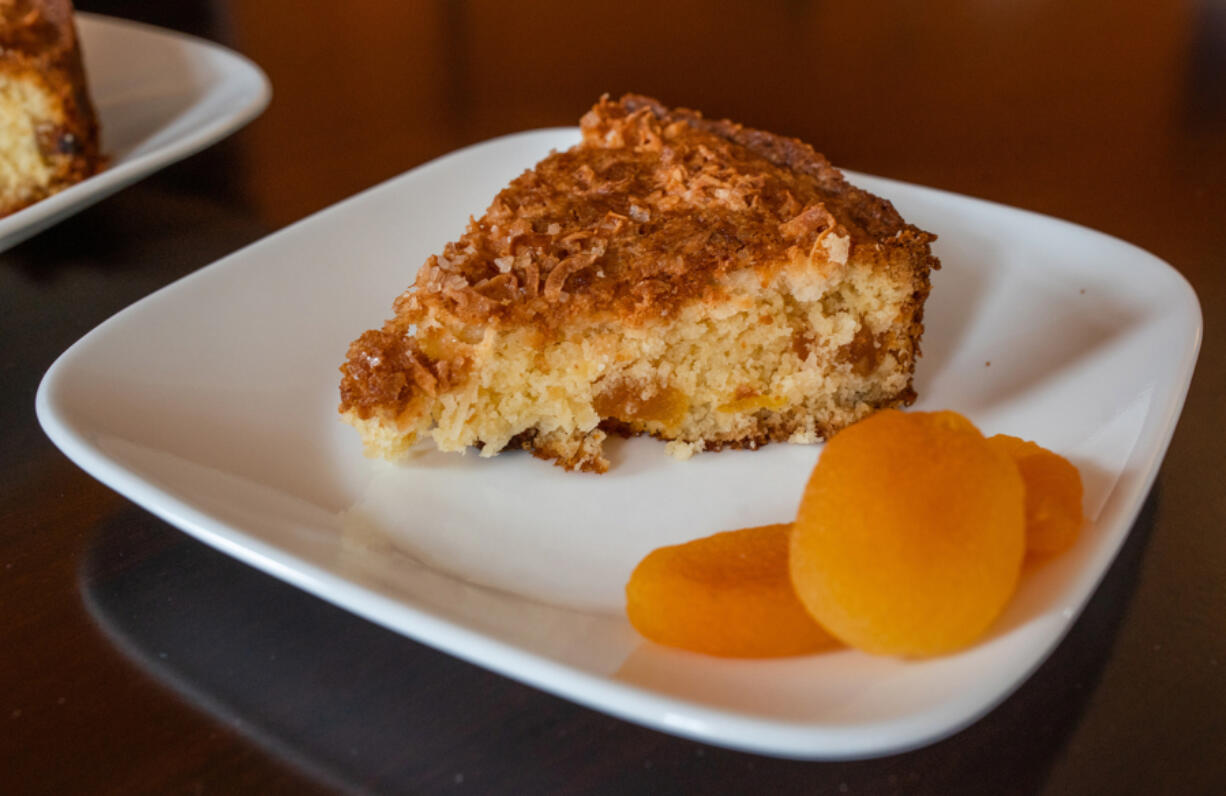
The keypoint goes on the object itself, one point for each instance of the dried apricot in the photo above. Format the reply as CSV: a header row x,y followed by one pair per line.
x,y
727,594
910,535
1053,495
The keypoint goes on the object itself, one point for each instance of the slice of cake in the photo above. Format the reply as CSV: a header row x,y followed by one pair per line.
x,y
48,130
695,280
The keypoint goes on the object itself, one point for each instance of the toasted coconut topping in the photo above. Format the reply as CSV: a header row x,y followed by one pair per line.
x,y
652,202
653,209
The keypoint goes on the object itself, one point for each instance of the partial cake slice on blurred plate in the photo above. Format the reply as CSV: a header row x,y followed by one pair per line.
x,y
48,129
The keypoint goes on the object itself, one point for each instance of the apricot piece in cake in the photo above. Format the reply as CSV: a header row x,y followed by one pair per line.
x,y
727,595
1053,495
910,536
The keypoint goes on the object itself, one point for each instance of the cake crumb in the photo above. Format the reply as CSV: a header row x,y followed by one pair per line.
x,y
682,450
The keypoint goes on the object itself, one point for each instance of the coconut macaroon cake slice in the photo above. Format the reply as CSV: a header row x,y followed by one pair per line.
x,y
696,280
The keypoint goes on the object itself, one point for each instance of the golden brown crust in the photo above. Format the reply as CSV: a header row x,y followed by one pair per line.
x,y
654,209
874,215
34,27
38,43
578,453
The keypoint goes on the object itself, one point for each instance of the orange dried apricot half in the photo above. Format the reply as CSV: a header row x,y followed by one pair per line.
x,y
727,594
910,536
1053,494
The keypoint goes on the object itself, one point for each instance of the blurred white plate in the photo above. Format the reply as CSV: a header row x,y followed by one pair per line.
x,y
160,96
212,403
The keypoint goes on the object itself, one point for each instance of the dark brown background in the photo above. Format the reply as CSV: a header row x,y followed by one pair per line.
x,y
134,659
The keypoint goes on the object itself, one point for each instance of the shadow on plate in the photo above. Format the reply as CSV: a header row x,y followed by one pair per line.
x,y
358,707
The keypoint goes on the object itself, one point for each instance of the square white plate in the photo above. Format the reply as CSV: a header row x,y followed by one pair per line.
x,y
212,403
160,96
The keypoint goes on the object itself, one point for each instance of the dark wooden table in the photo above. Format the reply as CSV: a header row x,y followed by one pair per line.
x,y
134,659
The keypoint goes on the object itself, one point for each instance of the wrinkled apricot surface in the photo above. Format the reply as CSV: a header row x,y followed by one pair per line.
x,y
910,535
727,594
1053,494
